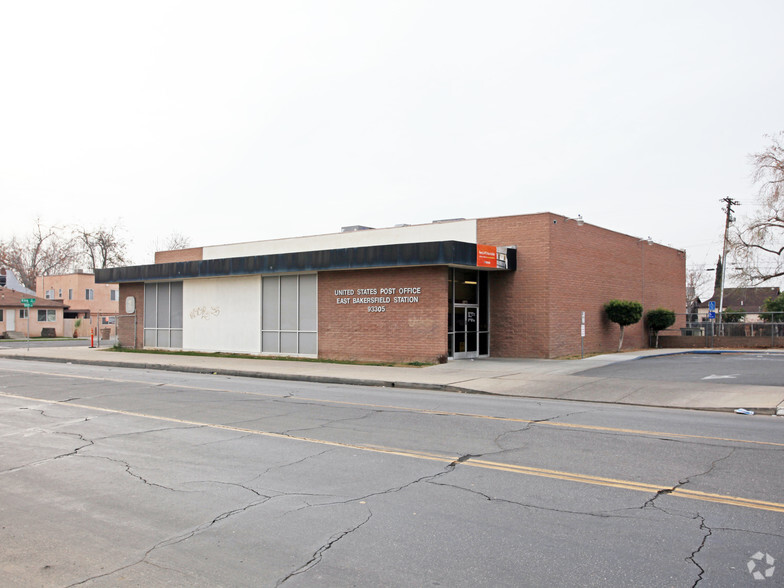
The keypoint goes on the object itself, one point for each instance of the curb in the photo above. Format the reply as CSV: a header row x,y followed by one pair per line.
x,y
766,411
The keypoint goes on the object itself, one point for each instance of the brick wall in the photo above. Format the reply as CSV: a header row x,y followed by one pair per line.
x,y
191,254
404,332
519,300
564,269
125,323
591,266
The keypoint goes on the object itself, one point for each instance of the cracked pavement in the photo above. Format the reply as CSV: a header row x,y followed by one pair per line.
x,y
115,477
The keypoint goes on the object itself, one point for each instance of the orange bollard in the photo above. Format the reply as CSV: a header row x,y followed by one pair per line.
x,y
92,336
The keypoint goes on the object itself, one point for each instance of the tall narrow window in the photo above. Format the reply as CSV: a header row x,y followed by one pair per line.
x,y
289,314
163,314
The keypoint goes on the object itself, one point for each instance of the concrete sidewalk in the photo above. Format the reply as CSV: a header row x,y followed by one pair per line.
x,y
530,378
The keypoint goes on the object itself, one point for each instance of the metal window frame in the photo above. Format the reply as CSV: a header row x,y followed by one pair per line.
x,y
279,331
156,329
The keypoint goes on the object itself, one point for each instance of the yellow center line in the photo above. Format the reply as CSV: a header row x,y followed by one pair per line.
x,y
447,459
640,432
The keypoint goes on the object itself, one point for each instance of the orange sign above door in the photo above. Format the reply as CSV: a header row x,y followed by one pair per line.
x,y
486,256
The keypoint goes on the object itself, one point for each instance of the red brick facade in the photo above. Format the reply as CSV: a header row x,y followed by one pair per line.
x,y
125,322
191,254
404,331
564,269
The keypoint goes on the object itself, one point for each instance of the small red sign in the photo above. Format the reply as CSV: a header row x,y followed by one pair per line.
x,y
486,256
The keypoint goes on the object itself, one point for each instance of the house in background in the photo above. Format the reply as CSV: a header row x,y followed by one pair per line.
x,y
9,280
743,300
15,318
84,299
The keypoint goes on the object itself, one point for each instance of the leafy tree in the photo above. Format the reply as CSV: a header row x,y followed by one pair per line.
x,y
719,271
758,245
732,316
658,320
774,310
624,313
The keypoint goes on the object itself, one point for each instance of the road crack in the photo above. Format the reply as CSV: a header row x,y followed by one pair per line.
x,y
318,555
175,540
693,556
489,498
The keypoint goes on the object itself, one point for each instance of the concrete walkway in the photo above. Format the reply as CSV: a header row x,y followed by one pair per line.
x,y
530,378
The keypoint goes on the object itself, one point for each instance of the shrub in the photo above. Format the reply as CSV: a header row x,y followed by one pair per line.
x,y
624,313
658,320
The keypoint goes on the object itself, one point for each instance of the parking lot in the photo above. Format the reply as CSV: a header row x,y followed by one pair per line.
x,y
752,369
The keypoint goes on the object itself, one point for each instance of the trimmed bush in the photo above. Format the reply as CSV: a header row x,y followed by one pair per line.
x,y
658,320
624,313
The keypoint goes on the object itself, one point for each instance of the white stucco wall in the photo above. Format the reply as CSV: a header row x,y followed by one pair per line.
x,y
463,230
222,314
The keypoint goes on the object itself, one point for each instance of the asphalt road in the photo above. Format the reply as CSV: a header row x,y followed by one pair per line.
x,y
753,369
126,477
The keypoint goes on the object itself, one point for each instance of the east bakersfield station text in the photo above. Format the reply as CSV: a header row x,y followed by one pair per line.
x,y
374,297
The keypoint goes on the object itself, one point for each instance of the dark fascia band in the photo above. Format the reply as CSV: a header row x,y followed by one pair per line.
x,y
450,253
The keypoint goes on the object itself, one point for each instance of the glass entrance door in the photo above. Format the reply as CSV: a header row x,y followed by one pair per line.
x,y
466,334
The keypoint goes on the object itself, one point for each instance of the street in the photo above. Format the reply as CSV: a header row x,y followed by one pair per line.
x,y
114,476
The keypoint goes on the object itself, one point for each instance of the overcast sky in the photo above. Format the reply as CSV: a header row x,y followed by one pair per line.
x,y
237,121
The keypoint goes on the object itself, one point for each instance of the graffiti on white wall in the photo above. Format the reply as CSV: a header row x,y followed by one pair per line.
x,y
205,313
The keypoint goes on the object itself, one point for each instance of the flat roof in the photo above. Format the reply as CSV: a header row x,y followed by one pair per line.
x,y
449,253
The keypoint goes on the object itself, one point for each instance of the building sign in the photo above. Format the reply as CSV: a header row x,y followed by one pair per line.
x,y
491,257
486,256
377,299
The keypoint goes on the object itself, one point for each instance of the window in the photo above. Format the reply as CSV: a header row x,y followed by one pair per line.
x,y
89,294
50,294
60,293
163,314
47,316
23,313
289,314
1,314
70,293
114,295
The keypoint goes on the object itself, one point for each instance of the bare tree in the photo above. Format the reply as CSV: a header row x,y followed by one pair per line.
x,y
697,281
45,251
758,245
173,242
102,246
176,241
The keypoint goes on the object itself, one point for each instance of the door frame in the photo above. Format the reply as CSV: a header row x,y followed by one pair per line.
x,y
466,332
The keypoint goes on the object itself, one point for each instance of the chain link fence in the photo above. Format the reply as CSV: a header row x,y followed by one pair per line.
x,y
727,330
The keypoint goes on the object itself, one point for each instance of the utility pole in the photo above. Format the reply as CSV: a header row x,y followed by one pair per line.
x,y
728,209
